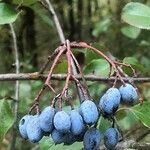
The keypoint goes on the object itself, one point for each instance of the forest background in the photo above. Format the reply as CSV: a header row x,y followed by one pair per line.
x,y
98,22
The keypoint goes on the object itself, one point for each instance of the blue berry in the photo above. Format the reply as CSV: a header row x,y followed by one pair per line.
x,y
79,138
111,137
34,131
89,112
110,101
23,124
46,119
62,122
57,136
92,139
77,125
129,94
69,138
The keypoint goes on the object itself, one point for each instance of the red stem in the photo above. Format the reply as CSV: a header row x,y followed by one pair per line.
x,y
68,74
86,96
36,101
85,45
69,68
82,76
62,49
126,65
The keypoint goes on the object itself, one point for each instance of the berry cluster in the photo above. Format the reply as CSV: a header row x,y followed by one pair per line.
x,y
108,105
63,127
79,125
110,101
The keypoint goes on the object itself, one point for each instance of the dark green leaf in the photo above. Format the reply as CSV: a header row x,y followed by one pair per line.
x,y
6,118
130,32
142,112
7,14
137,14
98,67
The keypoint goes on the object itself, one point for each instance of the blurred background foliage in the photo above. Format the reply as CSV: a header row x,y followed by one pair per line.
x,y
97,22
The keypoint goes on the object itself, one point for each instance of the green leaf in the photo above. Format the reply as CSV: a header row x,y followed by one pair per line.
x,y
130,32
131,60
137,14
144,43
7,14
98,67
125,118
45,143
6,118
24,2
134,63
103,124
90,55
121,114
142,112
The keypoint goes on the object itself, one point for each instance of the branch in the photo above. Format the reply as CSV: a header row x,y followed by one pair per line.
x,y
62,39
17,64
37,76
50,8
130,144
56,21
